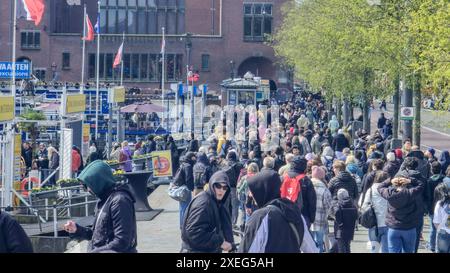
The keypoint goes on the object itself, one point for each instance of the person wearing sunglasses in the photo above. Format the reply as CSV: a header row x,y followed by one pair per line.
x,y
114,227
207,224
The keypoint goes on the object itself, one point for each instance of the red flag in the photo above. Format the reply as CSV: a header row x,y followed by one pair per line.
x,y
90,30
35,10
118,58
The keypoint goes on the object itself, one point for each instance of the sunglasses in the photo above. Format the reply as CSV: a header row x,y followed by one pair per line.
x,y
219,187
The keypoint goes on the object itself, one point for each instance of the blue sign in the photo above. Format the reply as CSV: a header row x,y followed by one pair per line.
x,y
22,70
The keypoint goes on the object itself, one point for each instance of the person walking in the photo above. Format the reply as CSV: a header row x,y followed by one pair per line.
x,y
185,176
441,219
53,165
207,222
114,227
342,180
125,157
344,213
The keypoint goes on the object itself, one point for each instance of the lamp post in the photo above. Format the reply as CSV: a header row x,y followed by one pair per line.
x,y
188,64
232,69
54,66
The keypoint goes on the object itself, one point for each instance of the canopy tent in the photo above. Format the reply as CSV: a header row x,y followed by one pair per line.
x,y
142,108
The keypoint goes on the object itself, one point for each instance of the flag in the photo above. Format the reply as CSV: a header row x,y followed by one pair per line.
x,y
118,58
90,30
97,25
35,10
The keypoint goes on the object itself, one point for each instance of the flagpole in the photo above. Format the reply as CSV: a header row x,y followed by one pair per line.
x,y
13,78
97,95
84,51
121,61
163,51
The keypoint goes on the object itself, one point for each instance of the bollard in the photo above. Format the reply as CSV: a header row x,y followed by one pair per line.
x,y
55,221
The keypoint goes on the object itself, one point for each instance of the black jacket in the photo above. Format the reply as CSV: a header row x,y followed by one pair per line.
x,y
432,183
54,161
345,215
114,227
13,238
424,167
309,198
282,216
403,212
27,155
188,174
43,161
202,172
267,177
392,167
339,143
207,222
278,163
344,180
233,169
381,122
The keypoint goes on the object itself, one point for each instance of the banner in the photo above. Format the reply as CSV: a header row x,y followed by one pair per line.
x,y
162,163
6,108
75,104
65,154
17,157
117,94
22,70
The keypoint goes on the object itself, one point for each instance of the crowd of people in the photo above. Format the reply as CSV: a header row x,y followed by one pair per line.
x,y
284,199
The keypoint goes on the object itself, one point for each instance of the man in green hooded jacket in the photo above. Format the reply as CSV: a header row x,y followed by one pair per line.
x,y
114,227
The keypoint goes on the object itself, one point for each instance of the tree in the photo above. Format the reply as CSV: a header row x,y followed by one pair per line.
x,y
31,127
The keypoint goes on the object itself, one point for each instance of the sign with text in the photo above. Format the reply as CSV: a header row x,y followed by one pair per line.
x,y
6,108
407,113
75,103
162,163
117,94
22,70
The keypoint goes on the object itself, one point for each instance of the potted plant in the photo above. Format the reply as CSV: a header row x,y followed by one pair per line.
x,y
119,175
71,182
44,193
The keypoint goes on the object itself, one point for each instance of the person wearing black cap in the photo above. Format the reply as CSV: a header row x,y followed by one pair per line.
x,y
306,201
430,155
207,223
277,225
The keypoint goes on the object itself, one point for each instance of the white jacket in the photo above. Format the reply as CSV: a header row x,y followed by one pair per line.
x,y
379,204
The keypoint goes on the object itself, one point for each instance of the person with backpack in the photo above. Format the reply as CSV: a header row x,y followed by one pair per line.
x,y
392,165
441,219
327,158
344,213
377,234
298,188
207,224
185,176
233,169
202,173
323,196
277,226
13,238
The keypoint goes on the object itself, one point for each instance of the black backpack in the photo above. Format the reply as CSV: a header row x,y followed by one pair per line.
x,y
179,179
200,176
231,173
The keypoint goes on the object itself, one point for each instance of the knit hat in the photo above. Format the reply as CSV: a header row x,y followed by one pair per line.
x,y
318,172
398,153
342,194
432,151
390,156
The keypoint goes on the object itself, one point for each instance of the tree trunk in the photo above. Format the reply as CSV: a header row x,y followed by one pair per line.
x,y
407,102
396,109
339,111
345,112
366,119
417,108
351,111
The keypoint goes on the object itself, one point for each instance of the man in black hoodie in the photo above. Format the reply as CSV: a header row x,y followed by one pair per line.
x,y
277,225
202,172
207,223
13,238
307,201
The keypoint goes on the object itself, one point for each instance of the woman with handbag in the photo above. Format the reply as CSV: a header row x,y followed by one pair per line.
x,y
378,233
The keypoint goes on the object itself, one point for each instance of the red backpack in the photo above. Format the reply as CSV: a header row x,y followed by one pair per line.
x,y
291,187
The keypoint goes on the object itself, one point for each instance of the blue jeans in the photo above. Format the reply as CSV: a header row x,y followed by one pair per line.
x,y
318,238
432,235
443,243
380,238
183,206
402,240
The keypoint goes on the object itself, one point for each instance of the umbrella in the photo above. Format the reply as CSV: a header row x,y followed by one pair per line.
x,y
142,108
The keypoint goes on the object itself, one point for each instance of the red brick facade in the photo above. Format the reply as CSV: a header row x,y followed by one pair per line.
x,y
222,40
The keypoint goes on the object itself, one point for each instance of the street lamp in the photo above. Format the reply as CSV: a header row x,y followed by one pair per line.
x,y
54,66
188,53
232,69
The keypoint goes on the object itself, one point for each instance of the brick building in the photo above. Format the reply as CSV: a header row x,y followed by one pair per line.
x,y
225,37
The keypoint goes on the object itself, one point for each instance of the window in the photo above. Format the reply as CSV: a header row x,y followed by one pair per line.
x,y
205,62
137,67
142,16
66,60
257,21
30,40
